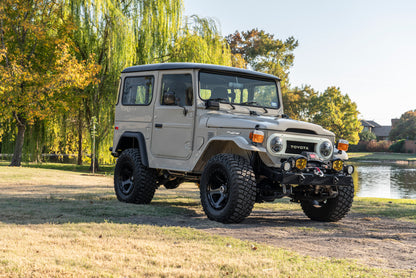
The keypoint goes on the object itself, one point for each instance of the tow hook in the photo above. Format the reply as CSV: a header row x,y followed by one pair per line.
x,y
318,172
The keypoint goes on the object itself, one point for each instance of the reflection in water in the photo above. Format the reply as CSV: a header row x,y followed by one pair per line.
x,y
385,181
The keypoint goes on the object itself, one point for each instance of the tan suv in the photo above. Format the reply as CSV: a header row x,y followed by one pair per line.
x,y
224,129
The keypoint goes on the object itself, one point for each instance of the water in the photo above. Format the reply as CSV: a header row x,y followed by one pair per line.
x,y
385,181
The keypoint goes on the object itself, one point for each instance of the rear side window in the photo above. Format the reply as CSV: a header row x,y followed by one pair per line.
x,y
137,90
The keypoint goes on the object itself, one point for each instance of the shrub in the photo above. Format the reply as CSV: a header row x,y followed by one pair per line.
x,y
371,146
380,146
398,146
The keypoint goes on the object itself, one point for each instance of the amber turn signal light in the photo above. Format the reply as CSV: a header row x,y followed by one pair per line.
x,y
257,136
343,145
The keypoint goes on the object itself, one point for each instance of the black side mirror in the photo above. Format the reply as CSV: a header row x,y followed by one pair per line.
x,y
169,98
212,104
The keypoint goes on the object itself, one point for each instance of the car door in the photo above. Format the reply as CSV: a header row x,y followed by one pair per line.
x,y
172,134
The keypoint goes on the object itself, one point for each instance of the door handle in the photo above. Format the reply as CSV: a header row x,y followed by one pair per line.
x,y
158,125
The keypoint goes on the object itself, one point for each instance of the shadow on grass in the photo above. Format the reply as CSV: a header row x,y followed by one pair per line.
x,y
165,210
87,208
104,169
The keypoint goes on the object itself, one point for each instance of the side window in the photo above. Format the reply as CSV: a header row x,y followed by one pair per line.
x,y
137,90
177,90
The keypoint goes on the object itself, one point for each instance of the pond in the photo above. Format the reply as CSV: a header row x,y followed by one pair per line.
x,y
385,181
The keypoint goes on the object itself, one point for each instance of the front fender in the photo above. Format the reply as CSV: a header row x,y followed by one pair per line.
x,y
240,141
225,144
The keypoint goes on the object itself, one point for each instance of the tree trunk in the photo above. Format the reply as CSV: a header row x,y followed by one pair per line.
x,y
18,149
79,162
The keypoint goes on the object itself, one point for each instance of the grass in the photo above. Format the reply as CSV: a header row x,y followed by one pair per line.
x,y
381,156
103,169
60,223
400,209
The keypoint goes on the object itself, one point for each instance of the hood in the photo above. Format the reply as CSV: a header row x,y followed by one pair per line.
x,y
268,123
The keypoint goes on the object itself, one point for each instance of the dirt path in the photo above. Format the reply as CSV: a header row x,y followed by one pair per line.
x,y
372,241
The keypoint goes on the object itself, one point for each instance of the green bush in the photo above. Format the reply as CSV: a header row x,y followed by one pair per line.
x,y
398,146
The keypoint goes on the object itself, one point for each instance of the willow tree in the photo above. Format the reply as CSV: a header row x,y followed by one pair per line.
x,y
156,26
103,32
38,70
200,41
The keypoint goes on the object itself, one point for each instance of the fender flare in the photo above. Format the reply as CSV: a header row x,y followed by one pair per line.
x,y
142,144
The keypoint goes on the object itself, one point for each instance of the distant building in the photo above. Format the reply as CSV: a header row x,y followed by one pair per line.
x,y
381,132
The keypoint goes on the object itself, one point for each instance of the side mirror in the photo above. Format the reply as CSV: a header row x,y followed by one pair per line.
x,y
212,104
169,98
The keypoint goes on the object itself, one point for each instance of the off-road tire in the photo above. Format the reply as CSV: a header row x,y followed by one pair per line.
x,y
333,209
235,177
133,182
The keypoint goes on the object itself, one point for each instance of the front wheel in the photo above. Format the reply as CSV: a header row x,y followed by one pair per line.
x,y
228,188
330,210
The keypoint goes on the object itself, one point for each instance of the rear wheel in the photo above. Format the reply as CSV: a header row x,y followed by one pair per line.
x,y
228,188
133,182
331,210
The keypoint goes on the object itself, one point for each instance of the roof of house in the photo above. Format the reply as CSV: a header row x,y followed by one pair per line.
x,y
171,66
382,131
370,123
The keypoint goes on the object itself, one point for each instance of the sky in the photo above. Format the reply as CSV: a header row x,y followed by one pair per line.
x,y
366,48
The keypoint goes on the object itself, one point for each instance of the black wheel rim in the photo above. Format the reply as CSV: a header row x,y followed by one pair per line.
x,y
218,188
126,179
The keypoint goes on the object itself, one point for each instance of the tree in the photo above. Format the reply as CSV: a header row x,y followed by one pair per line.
x,y
263,52
297,102
337,113
121,33
406,127
200,42
367,136
37,67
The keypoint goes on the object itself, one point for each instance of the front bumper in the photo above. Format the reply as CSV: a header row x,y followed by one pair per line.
x,y
313,179
310,177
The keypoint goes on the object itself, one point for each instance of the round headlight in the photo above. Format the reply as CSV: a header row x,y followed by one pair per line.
x,y
276,144
326,149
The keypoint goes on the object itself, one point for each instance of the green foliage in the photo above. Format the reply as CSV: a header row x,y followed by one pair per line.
x,y
200,42
60,62
263,52
337,113
367,136
398,146
297,102
406,127
38,68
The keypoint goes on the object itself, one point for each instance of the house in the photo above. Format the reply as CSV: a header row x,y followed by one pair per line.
x,y
381,132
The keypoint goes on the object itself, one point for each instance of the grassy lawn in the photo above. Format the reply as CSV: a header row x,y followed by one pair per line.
x,y
400,209
103,169
382,156
57,223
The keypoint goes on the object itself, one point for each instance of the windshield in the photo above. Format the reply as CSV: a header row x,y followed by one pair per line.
x,y
239,90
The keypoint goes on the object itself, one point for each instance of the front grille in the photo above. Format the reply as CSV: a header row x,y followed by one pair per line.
x,y
299,147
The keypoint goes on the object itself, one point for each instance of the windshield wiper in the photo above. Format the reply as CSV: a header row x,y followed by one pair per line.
x,y
254,102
